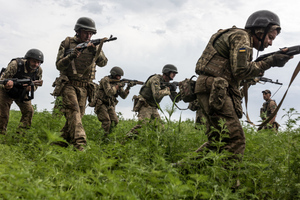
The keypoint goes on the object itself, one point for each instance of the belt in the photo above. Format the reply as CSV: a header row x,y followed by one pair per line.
x,y
78,83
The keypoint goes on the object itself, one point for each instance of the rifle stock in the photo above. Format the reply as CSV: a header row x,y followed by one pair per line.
x,y
294,50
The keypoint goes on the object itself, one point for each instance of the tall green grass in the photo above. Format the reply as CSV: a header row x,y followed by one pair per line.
x,y
141,167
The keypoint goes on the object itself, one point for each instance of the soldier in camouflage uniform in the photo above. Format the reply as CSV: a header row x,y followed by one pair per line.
x,y
106,98
267,110
78,71
20,68
225,62
151,94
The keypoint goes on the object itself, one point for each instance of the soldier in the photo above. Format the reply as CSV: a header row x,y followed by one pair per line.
x,y
28,67
106,98
77,71
151,94
225,62
267,110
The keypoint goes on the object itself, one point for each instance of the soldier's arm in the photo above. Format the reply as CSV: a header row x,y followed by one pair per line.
x,y
109,89
10,71
158,93
241,57
273,107
39,76
101,59
62,61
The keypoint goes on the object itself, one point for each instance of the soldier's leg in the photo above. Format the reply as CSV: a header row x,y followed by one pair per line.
x,y
103,117
113,117
144,113
27,113
73,110
235,143
5,104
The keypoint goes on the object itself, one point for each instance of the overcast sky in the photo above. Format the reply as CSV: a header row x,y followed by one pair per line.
x,y
150,34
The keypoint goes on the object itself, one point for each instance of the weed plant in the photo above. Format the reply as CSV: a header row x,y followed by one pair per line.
x,y
141,167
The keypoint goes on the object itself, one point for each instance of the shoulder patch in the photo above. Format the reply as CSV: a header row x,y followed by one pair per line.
x,y
241,50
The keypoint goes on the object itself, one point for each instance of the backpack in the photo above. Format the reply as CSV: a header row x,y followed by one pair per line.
x,y
187,89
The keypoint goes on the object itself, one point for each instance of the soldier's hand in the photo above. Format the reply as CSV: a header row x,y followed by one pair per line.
x,y
91,47
121,84
173,87
74,53
9,84
279,60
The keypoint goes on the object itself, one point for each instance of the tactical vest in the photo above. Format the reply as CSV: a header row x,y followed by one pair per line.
x,y
18,91
21,70
211,63
85,60
147,93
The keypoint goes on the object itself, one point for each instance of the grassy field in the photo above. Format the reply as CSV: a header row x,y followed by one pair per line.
x,y
141,167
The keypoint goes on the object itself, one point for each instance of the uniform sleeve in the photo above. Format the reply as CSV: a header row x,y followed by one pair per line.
x,y
273,106
241,57
157,92
62,61
108,88
123,93
10,71
101,60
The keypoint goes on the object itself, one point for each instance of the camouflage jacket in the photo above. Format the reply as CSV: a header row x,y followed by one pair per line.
x,y
152,91
107,92
231,51
12,70
84,64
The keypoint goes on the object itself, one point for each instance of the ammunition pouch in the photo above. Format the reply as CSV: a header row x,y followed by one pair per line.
x,y
138,102
218,94
91,93
204,84
58,85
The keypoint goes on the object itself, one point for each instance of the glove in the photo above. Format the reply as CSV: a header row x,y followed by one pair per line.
x,y
277,59
173,87
74,54
121,84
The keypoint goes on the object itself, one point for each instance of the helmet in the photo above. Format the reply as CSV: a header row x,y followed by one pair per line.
x,y
262,19
169,68
35,54
85,23
116,71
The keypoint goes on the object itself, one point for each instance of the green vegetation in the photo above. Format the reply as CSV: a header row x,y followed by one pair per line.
x,y
141,167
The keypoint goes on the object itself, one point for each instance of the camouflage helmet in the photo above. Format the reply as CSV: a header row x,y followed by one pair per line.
x,y
35,54
116,71
85,23
262,19
169,68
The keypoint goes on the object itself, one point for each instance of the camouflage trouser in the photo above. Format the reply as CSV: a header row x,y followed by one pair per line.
x,y
74,101
107,116
25,108
236,141
145,112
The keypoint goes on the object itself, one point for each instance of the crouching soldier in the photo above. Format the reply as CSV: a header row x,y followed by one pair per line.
x,y
110,87
11,91
151,94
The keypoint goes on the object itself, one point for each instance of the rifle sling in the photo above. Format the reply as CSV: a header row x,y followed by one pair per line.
x,y
296,71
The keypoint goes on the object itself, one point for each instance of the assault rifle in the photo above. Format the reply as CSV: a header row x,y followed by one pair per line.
x,y
264,79
84,45
20,83
124,80
294,50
